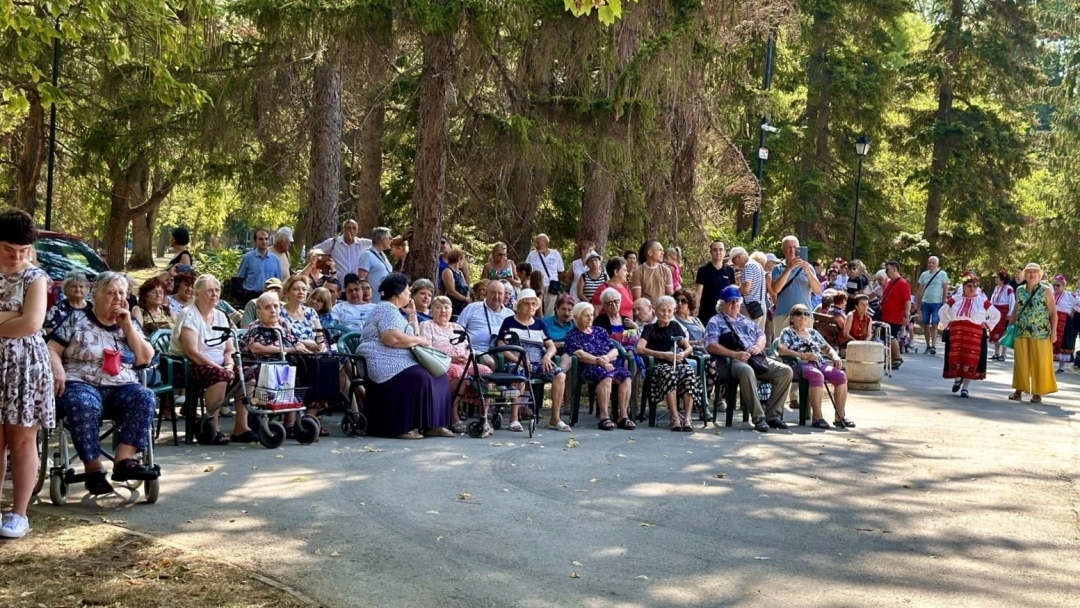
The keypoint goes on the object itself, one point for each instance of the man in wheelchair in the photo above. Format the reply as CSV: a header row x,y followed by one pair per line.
x,y
94,353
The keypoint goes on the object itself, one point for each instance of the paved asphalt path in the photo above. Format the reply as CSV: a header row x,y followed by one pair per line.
x,y
932,501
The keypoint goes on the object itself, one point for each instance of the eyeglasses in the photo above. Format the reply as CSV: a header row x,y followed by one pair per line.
x,y
799,313
612,302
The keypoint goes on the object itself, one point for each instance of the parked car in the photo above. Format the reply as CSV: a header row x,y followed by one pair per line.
x,y
58,254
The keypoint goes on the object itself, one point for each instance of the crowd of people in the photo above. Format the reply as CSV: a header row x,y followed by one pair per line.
x,y
636,320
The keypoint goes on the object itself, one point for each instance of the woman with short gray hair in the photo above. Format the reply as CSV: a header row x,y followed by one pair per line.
x,y
74,290
423,291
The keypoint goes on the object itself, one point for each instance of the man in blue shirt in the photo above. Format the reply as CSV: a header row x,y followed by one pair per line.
x,y
737,338
795,282
258,266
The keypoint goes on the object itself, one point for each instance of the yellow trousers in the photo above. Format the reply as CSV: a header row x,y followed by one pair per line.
x,y
1033,366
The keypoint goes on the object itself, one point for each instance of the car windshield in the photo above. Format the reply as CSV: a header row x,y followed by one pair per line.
x,y
59,255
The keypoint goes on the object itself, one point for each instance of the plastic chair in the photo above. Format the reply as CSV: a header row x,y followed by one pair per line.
x,y
797,377
164,391
699,359
576,384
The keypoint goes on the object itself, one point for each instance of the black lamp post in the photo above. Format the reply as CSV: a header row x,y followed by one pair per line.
x,y
862,146
52,130
763,153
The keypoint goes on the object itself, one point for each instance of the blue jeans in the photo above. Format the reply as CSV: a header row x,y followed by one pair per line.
x,y
929,313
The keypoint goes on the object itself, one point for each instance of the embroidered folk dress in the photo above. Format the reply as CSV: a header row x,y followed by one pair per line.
x,y
966,320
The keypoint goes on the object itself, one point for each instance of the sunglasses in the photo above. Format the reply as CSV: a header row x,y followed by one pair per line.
x,y
799,313
612,302
683,301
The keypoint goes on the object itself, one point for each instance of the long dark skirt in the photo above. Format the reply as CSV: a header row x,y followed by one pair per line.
x,y
410,400
965,351
1068,338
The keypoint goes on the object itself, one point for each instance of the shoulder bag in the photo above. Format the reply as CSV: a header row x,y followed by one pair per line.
x,y
759,363
436,362
554,287
754,307
1008,339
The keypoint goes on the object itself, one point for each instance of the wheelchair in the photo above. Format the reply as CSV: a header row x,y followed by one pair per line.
x,y
60,472
499,389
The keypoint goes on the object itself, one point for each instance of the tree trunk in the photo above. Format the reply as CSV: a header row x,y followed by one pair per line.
x,y
164,235
943,140
657,202
142,236
324,177
131,197
526,184
597,205
27,152
816,158
429,181
379,51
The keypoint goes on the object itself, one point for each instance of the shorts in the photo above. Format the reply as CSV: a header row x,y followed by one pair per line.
x,y
895,329
929,313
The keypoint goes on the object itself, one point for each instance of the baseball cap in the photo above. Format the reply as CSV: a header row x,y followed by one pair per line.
x,y
771,258
272,283
730,293
737,251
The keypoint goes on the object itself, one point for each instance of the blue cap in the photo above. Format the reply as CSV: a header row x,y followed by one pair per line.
x,y
730,293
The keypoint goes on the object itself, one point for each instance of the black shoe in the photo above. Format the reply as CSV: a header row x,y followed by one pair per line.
x,y
97,485
956,385
129,469
778,424
250,436
761,426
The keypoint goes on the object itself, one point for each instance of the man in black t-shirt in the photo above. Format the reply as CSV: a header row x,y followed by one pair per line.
x,y
711,279
856,284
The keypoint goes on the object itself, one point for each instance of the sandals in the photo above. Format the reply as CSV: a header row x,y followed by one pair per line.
x,y
956,384
687,428
459,427
626,424
559,426
515,426
248,436
606,425
820,424
130,469
413,434
324,432
841,423
1016,396
220,439
1036,399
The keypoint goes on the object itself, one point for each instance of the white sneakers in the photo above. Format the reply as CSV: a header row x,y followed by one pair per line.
x,y
15,526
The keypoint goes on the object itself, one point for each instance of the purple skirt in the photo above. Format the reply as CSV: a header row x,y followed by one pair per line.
x,y
410,400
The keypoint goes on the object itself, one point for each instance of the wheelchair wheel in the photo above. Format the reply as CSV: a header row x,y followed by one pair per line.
x,y
206,433
44,462
476,429
496,422
353,424
58,489
307,429
273,435
152,488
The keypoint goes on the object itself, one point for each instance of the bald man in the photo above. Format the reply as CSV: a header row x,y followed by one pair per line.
x,y
345,249
932,292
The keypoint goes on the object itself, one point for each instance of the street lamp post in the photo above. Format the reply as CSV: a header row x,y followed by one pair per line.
x,y
862,146
763,153
52,130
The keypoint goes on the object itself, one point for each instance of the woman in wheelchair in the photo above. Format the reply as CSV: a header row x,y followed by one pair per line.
x,y
599,363
529,331
211,358
93,353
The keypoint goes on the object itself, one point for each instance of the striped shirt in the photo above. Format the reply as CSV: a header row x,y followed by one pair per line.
x,y
753,273
590,285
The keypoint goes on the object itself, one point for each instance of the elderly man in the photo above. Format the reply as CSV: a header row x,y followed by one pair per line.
x,y
731,335
374,266
933,290
251,311
895,307
483,319
711,279
549,262
257,266
643,312
345,249
754,287
283,239
352,312
794,281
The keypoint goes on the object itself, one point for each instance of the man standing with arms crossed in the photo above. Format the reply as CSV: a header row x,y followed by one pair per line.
x,y
933,290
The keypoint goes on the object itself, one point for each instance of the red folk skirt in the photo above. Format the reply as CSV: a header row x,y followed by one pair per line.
x,y
965,351
1061,351
1003,322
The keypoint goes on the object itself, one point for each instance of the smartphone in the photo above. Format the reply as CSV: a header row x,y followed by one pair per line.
x,y
804,254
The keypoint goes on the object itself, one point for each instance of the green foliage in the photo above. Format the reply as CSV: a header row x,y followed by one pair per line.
x,y
221,263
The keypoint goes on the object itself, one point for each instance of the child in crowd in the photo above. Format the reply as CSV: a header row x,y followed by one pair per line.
x,y
673,260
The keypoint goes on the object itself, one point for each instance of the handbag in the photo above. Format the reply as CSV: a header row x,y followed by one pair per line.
x,y
554,286
275,387
754,309
759,363
1008,339
436,362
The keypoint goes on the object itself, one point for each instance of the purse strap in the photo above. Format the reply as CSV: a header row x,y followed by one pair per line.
x,y
544,264
794,273
1031,296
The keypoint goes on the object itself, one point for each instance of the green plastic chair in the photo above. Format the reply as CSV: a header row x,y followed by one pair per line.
x,y
576,383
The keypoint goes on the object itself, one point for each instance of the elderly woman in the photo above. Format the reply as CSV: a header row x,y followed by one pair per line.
x,y
183,293
597,363
441,333
74,290
301,319
452,280
967,320
592,279
423,291
152,311
93,353
818,362
211,359
26,400
611,319
859,324
541,355
1065,338
1035,317
405,400
667,343
499,267
1004,300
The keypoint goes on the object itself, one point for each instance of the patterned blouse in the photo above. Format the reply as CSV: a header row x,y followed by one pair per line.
x,y
1033,320
266,336
442,338
303,329
815,343
85,340
153,322
384,362
60,311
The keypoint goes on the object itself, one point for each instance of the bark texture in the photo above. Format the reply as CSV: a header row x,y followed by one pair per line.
x,y
816,157
943,139
597,206
134,194
27,150
320,218
379,49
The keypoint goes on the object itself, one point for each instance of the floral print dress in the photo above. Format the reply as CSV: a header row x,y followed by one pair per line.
x,y
26,380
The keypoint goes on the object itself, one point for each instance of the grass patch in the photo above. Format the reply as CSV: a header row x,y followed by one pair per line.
x,y
70,562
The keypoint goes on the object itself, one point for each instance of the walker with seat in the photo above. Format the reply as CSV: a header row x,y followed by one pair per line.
x,y
498,389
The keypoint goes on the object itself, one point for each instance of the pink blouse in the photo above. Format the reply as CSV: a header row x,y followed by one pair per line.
x,y
440,338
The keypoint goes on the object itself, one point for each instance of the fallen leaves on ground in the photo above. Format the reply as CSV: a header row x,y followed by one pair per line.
x,y
572,443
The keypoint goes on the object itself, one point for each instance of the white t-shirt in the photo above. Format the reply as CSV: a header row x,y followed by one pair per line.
x,y
346,257
550,265
579,268
481,322
351,315
192,318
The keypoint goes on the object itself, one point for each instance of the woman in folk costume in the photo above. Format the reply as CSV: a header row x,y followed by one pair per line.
x,y
1065,340
1004,300
967,320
